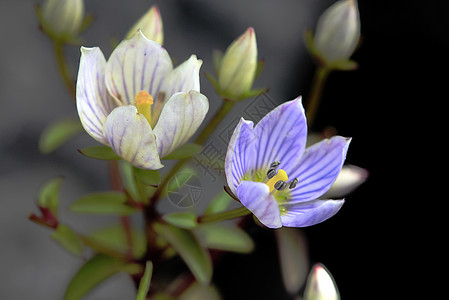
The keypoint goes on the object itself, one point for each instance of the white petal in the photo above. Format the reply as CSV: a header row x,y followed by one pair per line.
x,y
183,78
130,136
92,99
137,64
180,118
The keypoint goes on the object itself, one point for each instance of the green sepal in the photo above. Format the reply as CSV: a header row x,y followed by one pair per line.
x,y
185,151
127,175
111,202
68,239
219,203
49,195
188,247
148,177
180,179
96,270
187,220
223,237
144,284
217,58
113,240
260,65
58,133
99,152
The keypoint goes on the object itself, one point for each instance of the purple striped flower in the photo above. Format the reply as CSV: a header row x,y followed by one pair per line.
x,y
273,174
136,103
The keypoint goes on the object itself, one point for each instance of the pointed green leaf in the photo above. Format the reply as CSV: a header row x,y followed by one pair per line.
x,y
111,202
217,58
186,220
180,179
115,238
144,284
148,177
293,258
68,239
223,237
260,65
185,151
185,243
94,271
128,180
213,81
58,133
49,195
99,152
219,203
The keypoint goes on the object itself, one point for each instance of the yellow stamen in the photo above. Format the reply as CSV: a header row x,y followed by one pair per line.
x,y
143,104
281,175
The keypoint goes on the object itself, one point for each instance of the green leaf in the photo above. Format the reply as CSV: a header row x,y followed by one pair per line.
x,y
68,239
58,133
94,271
148,177
187,246
200,291
99,152
111,202
186,220
128,180
222,237
115,238
219,203
185,151
144,284
180,179
293,258
49,195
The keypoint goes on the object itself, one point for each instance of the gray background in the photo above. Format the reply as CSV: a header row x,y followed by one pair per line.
x,y
399,40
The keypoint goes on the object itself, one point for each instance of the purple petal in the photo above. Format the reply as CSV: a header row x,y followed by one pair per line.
x,y
180,118
137,64
92,99
240,153
256,197
130,136
318,168
282,136
310,213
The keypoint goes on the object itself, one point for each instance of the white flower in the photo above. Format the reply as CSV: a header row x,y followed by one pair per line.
x,y
136,103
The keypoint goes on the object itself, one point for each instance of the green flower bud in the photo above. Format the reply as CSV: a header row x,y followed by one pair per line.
x,y
151,26
62,18
337,33
238,66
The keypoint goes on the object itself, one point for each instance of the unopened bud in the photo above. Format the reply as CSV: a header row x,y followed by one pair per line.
x,y
62,18
337,32
320,285
151,26
237,70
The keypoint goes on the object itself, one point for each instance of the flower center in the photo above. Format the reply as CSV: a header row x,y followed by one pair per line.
x,y
280,177
143,104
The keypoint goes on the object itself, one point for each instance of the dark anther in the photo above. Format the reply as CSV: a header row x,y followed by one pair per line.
x,y
275,164
280,185
293,183
271,172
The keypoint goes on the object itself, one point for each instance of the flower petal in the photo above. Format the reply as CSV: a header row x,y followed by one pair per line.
x,y
183,78
180,118
318,168
240,153
256,197
282,136
92,99
310,213
130,136
137,64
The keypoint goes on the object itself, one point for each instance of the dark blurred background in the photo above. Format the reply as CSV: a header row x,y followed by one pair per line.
x,y
383,105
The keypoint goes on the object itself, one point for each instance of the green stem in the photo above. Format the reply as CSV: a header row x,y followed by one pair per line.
x,y
225,215
316,92
58,47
